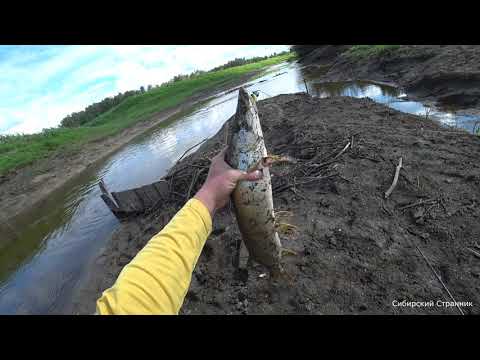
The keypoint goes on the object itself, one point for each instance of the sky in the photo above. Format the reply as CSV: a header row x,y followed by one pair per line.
x,y
40,85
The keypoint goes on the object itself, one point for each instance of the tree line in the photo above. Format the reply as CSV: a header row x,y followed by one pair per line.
x,y
92,111
303,50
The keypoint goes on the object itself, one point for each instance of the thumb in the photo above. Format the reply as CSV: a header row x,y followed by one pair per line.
x,y
221,154
251,176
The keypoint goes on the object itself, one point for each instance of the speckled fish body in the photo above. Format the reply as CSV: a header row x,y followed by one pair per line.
x,y
253,200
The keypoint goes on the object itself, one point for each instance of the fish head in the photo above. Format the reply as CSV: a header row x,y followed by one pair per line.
x,y
245,142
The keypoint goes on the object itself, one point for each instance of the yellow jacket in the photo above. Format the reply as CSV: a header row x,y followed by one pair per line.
x,y
157,279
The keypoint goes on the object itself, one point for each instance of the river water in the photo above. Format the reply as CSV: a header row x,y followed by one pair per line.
x,y
54,243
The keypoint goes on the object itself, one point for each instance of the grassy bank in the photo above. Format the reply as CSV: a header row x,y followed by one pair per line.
x,y
354,51
20,150
364,51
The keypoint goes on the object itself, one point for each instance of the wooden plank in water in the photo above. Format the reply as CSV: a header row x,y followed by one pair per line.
x,y
120,199
135,200
142,197
105,192
153,193
103,188
109,203
128,201
149,195
162,188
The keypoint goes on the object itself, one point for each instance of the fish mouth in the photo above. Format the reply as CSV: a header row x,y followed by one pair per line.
x,y
243,107
243,101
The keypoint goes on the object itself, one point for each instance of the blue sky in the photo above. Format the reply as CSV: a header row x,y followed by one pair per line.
x,y
40,85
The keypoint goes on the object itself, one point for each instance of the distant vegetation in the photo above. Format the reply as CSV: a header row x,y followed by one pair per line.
x,y
362,51
358,51
115,114
91,112
303,50
243,61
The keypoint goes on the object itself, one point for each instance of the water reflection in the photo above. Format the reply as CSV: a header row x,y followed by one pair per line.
x,y
394,98
313,72
355,89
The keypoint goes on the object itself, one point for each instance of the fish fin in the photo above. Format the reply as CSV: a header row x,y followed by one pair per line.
x,y
270,160
285,228
286,252
278,273
283,213
281,216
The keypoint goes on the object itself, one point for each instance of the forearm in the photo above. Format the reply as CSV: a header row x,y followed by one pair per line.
x,y
157,279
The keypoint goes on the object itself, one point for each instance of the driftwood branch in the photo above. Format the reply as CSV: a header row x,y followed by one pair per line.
x,y
439,279
194,181
333,159
306,87
395,179
282,188
341,152
476,253
107,196
190,148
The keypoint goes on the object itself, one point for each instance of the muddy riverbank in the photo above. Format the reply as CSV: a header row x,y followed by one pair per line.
x,y
358,252
26,187
448,75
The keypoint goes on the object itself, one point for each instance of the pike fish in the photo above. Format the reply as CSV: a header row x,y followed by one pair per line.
x,y
253,200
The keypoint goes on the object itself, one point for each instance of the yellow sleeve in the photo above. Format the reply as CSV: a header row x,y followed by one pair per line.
x,y
157,279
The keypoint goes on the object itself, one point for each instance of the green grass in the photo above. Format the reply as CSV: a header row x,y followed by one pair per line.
x,y
21,150
364,51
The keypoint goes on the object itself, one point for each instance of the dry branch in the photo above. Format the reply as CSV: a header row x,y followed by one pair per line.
x,y
421,202
395,179
476,253
333,159
194,181
439,279
341,152
190,148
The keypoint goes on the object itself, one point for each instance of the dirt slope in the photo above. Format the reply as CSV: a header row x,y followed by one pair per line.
x,y
358,251
447,74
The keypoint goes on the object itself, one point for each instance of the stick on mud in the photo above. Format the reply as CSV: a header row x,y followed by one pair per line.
x,y
343,150
395,179
440,279
476,253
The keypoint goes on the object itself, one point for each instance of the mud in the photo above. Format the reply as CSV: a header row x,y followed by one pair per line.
x,y
448,75
357,251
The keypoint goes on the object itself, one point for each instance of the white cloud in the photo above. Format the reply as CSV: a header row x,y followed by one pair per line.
x,y
47,111
41,85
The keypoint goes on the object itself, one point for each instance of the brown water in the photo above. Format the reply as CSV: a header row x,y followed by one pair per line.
x,y
56,242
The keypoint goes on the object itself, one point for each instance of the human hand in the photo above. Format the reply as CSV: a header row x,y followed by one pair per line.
x,y
221,181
